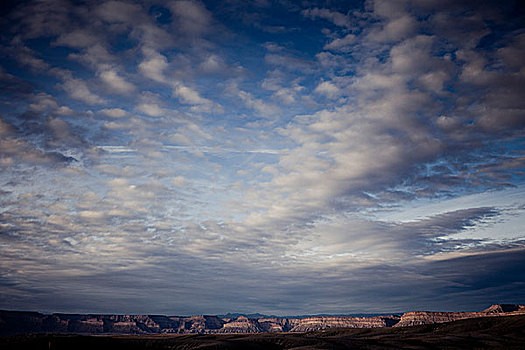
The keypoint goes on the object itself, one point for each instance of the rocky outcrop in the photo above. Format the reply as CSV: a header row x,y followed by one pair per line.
x,y
274,324
197,324
241,324
324,322
504,308
415,318
12,322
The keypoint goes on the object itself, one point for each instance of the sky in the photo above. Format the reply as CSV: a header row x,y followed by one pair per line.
x,y
285,157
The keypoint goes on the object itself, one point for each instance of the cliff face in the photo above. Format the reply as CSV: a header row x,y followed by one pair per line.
x,y
26,322
241,325
274,324
12,322
323,322
415,318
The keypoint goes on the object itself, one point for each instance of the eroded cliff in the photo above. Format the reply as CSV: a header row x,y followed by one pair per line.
x,y
12,322
415,318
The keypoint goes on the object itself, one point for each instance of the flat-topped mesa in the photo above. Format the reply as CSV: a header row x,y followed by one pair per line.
x,y
415,318
241,324
316,323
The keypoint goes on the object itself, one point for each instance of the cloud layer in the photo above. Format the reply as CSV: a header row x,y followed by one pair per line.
x,y
189,157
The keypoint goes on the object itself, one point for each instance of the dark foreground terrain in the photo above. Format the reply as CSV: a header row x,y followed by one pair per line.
x,y
506,332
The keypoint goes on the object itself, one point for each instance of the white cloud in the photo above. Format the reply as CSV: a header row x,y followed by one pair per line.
x,y
44,103
192,17
77,39
97,57
152,37
153,66
258,105
395,29
389,9
79,90
120,12
287,96
466,32
114,112
189,95
435,81
213,64
337,18
286,90
341,44
47,19
151,109
178,181
287,61
116,83
412,55
328,89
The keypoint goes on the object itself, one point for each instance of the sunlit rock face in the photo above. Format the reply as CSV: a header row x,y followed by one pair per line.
x,y
324,322
12,322
242,324
414,318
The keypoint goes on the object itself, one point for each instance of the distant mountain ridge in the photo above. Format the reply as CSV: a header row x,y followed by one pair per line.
x,y
14,322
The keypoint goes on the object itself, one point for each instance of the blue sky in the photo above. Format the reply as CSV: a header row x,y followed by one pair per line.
x,y
283,157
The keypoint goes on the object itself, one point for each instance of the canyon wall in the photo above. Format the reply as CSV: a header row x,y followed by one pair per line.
x,y
414,318
12,322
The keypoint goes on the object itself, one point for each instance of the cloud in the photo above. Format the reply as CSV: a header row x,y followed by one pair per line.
x,y
153,66
47,104
77,39
114,112
283,59
389,113
116,83
213,64
96,57
120,12
16,150
328,89
192,17
341,44
79,90
47,18
394,30
151,109
337,18
189,95
258,105
288,92
26,56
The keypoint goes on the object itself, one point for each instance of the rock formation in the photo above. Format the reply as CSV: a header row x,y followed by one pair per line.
x,y
323,322
414,318
12,322
241,324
